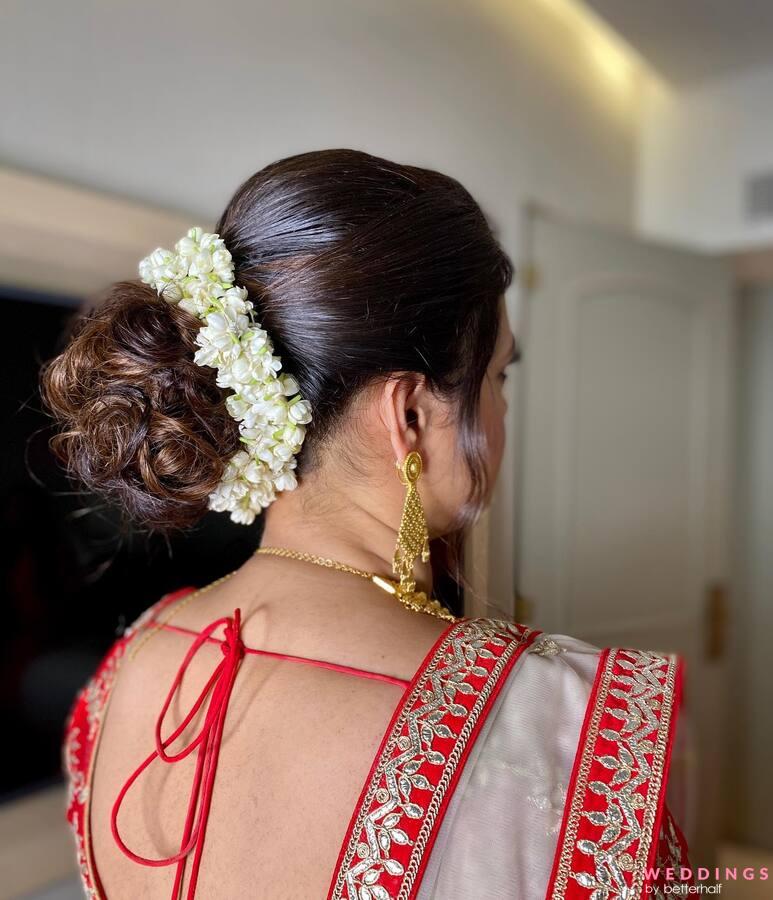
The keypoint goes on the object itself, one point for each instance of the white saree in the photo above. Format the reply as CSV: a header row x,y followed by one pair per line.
x,y
503,822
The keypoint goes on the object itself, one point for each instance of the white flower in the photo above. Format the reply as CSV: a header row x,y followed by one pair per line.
x,y
286,481
293,435
199,276
300,412
201,264
234,303
283,453
243,513
221,263
289,385
255,342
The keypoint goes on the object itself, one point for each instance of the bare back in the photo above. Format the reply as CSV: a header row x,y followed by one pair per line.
x,y
298,743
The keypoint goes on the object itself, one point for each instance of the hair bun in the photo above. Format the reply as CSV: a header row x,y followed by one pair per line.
x,y
140,423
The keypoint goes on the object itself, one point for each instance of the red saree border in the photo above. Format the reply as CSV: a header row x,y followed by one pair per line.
x,y
672,865
615,803
397,817
433,650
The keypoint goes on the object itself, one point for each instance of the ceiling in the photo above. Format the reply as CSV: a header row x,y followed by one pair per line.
x,y
690,41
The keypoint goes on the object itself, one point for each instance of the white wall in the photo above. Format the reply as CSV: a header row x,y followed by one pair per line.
x,y
697,149
751,727
174,103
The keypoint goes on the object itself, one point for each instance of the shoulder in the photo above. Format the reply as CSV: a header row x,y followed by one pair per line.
x,y
563,658
547,688
83,721
83,725
147,618
576,695
552,655
94,693
580,742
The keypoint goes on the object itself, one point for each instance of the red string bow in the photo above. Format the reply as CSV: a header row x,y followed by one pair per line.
x,y
206,742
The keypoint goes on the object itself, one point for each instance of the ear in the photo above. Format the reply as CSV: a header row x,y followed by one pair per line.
x,y
405,410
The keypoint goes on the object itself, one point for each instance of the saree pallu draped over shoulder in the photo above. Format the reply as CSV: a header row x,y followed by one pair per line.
x,y
515,765
421,757
591,823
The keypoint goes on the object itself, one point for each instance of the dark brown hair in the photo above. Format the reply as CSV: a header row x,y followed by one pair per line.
x,y
358,268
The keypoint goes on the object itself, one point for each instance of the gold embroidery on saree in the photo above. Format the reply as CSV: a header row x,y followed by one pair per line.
x,y
396,790
546,646
625,805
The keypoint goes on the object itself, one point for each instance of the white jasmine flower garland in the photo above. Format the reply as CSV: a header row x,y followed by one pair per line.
x,y
272,415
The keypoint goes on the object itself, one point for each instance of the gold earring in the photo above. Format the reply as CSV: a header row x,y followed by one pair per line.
x,y
412,536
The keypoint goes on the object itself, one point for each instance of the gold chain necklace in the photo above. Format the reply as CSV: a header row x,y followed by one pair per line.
x,y
417,601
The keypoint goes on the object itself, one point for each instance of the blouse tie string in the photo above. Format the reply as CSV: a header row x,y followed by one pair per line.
x,y
206,743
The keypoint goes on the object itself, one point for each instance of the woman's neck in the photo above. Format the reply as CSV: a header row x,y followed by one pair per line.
x,y
349,528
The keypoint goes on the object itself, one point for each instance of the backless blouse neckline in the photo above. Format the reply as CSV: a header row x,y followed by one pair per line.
x,y
213,698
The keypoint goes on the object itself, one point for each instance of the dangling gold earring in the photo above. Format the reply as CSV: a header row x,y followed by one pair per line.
x,y
412,536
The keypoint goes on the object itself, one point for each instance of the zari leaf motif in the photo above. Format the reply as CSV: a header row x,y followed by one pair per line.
x,y
634,760
401,792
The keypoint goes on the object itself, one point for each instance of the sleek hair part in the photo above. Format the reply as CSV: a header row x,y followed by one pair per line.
x,y
358,268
